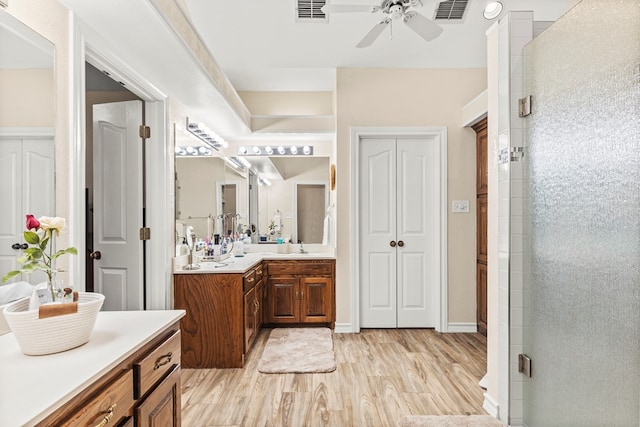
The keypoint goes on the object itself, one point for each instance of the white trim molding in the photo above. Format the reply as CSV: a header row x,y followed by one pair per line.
x,y
439,133
491,406
29,132
460,327
343,328
90,47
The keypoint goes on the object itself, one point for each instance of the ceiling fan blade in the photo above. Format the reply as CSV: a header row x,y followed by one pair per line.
x,y
424,27
348,8
374,33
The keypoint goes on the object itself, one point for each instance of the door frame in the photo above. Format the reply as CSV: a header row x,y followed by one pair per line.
x,y
439,133
88,47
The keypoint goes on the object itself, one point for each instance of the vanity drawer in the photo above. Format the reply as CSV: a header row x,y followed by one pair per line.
x,y
260,270
249,280
153,367
303,268
110,406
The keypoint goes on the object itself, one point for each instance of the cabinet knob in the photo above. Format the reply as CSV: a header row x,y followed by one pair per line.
x,y
400,243
392,243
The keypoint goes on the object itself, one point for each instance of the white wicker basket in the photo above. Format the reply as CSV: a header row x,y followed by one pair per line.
x,y
53,334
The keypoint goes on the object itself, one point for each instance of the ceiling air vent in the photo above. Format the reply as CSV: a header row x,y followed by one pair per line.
x,y
309,10
451,10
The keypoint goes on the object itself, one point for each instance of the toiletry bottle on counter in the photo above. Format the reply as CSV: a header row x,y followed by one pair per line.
x,y
223,246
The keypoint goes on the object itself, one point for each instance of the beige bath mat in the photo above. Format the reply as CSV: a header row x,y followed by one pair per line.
x,y
298,350
449,421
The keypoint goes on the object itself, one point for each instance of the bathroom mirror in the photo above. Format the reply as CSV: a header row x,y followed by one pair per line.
x,y
211,195
26,135
298,195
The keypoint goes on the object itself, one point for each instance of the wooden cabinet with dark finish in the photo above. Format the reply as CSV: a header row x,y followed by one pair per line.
x,y
213,326
144,390
300,292
482,191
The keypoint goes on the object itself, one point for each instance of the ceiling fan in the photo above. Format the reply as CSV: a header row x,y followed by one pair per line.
x,y
392,10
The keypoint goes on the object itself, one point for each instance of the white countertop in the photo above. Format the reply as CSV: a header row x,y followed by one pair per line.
x,y
240,264
32,387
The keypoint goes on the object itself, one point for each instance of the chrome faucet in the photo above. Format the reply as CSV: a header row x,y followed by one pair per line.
x,y
301,250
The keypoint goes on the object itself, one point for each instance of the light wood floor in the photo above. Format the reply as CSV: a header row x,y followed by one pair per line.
x,y
382,375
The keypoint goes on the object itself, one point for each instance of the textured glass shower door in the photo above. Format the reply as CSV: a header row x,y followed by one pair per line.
x,y
582,292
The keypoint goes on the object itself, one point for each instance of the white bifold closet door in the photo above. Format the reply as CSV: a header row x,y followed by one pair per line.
x,y
398,232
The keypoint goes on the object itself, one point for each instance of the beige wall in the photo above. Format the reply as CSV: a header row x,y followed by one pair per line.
x,y
27,97
413,97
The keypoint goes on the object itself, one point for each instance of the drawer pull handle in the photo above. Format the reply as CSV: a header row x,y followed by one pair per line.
x,y
107,417
250,280
163,360
259,272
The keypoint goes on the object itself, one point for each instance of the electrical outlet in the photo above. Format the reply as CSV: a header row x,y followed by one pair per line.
x,y
460,206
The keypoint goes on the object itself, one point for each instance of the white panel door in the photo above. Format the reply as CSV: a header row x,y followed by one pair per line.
x,y
26,187
377,169
117,204
399,232
417,232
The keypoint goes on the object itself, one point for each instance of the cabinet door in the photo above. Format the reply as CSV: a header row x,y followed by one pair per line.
x,y
249,318
259,305
481,296
283,297
162,406
316,296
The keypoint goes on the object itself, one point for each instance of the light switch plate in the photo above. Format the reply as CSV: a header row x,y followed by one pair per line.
x,y
460,206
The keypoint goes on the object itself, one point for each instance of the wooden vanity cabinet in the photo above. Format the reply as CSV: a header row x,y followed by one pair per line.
x,y
143,390
300,292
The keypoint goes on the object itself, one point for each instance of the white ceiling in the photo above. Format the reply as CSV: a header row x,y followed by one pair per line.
x,y
260,47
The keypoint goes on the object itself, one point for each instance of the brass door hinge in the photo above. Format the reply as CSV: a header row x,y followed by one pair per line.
x,y
145,132
145,233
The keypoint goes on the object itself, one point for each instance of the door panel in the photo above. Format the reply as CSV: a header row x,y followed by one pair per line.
x,y
417,230
377,230
117,179
316,297
12,226
26,187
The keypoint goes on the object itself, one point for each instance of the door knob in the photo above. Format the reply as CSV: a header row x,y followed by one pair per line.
x,y
95,255
18,246
400,243
392,243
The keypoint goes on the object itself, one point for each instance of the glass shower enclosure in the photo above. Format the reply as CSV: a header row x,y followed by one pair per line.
x,y
582,290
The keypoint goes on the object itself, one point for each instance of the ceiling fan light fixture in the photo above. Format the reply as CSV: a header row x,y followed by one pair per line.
x,y
492,10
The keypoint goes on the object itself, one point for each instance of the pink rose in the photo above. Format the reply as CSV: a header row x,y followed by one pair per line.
x,y
32,223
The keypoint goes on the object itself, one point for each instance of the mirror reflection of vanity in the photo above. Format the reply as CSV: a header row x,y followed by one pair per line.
x,y
291,203
26,135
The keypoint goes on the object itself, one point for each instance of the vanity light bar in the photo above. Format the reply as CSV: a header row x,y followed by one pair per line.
x,y
190,151
206,135
279,150
264,181
238,162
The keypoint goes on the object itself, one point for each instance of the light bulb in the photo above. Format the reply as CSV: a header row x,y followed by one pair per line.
x,y
256,149
281,150
294,149
306,150
492,10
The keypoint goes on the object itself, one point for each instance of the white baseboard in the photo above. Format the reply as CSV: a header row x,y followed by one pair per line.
x,y
462,327
490,405
343,328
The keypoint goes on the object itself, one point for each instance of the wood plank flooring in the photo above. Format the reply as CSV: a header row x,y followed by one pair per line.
x,y
382,375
